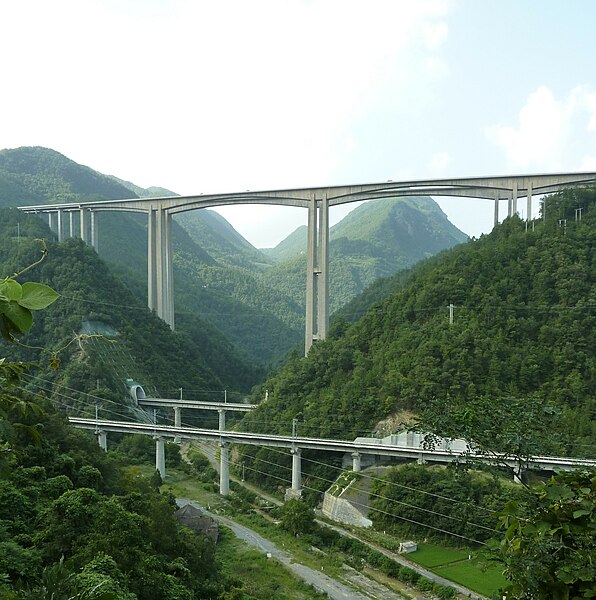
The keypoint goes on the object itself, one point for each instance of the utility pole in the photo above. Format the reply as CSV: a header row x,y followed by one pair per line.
x,y
578,214
451,314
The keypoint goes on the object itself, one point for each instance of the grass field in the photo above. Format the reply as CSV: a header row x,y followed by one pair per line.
x,y
429,555
453,564
479,576
259,577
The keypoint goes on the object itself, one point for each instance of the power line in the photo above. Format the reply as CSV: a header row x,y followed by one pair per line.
x,y
401,517
426,525
328,465
330,481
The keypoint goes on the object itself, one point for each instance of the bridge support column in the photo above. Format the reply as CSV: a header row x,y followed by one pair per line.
x,y
514,198
151,260
94,231
529,203
224,469
517,479
496,221
102,439
317,276
356,464
296,490
177,421
222,419
60,224
421,460
83,224
160,456
70,223
160,283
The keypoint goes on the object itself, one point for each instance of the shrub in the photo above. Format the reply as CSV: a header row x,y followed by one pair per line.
x,y
444,592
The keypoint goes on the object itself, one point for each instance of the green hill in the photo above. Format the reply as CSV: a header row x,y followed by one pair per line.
x,y
213,233
523,326
220,288
290,247
196,358
401,230
35,175
375,240
219,276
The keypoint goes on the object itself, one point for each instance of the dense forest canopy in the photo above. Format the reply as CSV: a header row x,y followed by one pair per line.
x,y
143,347
523,325
256,305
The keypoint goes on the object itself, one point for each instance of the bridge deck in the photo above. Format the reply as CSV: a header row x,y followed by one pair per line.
x,y
286,441
198,404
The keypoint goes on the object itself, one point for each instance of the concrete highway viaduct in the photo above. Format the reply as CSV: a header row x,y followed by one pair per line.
x,y
357,448
317,200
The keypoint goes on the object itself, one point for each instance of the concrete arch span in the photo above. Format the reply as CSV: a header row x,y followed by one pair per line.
x,y
317,200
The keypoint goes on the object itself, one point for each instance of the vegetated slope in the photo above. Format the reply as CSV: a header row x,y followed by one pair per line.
x,y
254,320
218,275
196,359
35,175
375,240
76,523
212,232
524,320
289,247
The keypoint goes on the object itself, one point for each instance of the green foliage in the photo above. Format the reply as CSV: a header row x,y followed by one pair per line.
x,y
17,301
297,517
120,537
452,500
548,547
516,428
521,337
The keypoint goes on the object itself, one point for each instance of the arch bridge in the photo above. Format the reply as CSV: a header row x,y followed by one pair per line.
x,y
317,200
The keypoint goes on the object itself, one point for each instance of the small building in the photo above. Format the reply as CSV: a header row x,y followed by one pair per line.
x,y
198,521
407,547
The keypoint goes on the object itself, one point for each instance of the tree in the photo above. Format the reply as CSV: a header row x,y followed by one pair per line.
x,y
548,548
503,429
297,517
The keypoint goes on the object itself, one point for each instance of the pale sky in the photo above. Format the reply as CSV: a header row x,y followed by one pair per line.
x,y
229,95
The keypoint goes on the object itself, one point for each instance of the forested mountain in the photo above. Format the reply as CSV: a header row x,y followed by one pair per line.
x,y
219,276
375,240
35,175
523,327
196,358
212,232
75,524
289,247
225,294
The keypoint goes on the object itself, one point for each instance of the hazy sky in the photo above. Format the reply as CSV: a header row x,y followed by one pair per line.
x,y
228,95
